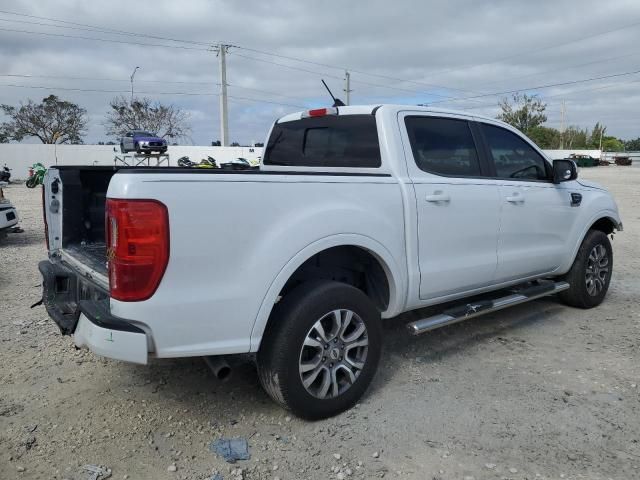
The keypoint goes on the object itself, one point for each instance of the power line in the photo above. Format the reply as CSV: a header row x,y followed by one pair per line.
x,y
97,90
179,82
99,29
324,75
285,66
123,32
540,87
448,98
529,52
361,72
566,67
63,35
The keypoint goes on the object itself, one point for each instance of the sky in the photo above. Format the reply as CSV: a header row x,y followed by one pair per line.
x,y
458,54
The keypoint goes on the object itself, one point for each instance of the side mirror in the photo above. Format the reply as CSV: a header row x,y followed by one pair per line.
x,y
564,170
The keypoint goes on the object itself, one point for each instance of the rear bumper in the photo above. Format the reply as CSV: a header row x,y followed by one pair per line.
x,y
127,345
8,217
81,308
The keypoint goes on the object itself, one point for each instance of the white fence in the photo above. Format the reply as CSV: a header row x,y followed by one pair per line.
x,y
20,156
558,154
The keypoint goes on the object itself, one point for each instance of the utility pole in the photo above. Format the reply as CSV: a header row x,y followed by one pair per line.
x,y
222,50
601,132
133,75
563,111
347,87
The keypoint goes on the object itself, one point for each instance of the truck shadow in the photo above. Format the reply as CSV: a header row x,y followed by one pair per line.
x,y
446,342
190,384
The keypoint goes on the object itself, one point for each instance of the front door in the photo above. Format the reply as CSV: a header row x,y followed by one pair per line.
x,y
536,213
458,210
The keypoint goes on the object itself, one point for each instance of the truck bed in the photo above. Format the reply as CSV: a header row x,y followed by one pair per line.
x,y
93,255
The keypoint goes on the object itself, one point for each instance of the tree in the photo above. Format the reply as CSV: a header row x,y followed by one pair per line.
x,y
545,137
235,144
52,121
166,121
612,144
523,111
632,145
216,143
596,134
575,138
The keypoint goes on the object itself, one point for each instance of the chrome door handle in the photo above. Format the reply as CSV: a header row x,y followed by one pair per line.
x,y
438,197
515,199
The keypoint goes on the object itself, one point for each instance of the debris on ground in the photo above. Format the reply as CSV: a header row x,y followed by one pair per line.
x,y
97,472
231,449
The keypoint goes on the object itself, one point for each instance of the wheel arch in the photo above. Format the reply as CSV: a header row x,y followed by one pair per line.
x,y
349,244
606,221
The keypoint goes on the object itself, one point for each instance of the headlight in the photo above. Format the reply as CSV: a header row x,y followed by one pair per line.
x,y
143,142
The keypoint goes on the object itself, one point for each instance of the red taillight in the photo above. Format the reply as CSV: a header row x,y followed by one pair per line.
x,y
137,247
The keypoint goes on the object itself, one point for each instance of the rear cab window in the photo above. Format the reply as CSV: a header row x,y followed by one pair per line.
x,y
328,141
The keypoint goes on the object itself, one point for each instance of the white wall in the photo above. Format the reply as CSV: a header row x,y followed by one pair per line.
x,y
19,156
558,154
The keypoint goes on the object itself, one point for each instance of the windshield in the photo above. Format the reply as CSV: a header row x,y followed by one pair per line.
x,y
143,133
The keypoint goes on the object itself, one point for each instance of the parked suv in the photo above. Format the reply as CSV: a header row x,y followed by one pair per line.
x,y
357,213
140,141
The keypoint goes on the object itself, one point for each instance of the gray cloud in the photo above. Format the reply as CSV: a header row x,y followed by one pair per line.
x,y
456,48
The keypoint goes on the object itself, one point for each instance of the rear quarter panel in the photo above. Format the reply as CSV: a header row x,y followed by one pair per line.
x,y
235,239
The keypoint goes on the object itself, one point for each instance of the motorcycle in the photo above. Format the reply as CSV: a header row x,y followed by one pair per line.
x,y
36,175
209,162
5,174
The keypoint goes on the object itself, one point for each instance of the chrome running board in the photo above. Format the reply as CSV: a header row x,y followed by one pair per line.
x,y
470,310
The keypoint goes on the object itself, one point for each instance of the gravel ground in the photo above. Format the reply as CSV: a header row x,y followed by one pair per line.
x,y
538,391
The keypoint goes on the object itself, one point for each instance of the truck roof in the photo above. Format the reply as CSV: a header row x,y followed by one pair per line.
x,y
368,109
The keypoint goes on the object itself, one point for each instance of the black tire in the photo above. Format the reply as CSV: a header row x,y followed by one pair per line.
x,y
32,182
137,149
280,353
122,149
580,294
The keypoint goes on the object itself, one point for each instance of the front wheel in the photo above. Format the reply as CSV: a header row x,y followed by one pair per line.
x,y
590,273
321,350
32,182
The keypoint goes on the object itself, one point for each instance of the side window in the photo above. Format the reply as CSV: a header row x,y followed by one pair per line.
x,y
443,146
513,157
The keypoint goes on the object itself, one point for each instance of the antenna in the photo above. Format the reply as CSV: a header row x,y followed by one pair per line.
x,y
336,101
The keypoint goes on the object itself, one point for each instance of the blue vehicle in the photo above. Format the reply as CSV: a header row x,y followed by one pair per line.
x,y
140,141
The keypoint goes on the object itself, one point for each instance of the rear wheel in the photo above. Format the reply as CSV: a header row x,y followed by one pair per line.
x,y
590,273
321,352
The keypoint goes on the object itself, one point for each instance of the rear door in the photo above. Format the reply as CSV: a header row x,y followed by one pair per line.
x,y
457,206
536,213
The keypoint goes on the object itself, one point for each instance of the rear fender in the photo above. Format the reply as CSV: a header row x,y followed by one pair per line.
x,y
397,281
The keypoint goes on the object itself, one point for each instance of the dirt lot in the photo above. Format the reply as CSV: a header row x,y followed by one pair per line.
x,y
539,391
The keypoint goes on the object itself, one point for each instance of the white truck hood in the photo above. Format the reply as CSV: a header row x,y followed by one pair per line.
x,y
590,184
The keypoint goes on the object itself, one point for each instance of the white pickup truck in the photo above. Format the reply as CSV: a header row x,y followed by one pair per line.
x,y
357,213
8,213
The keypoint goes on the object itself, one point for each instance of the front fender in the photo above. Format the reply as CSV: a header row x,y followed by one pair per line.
x,y
610,214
